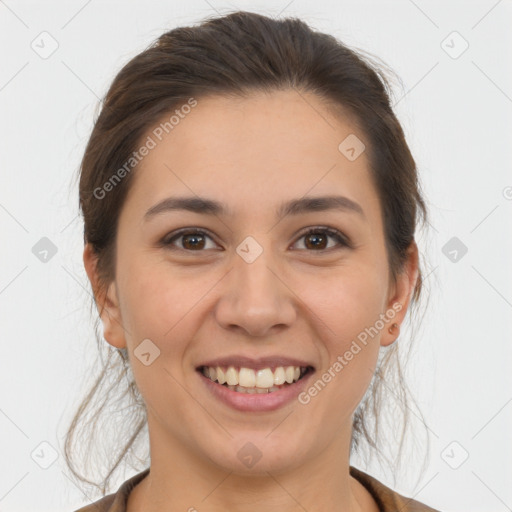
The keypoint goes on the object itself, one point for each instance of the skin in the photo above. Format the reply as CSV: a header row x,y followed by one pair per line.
x,y
251,154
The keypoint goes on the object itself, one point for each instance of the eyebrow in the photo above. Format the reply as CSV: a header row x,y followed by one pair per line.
x,y
207,206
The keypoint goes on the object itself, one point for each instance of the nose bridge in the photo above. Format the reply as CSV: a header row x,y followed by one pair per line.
x,y
255,283
253,271
255,299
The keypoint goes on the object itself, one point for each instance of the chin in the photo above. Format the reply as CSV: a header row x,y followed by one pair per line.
x,y
255,455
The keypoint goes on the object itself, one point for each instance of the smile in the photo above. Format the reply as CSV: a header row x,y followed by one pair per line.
x,y
246,389
247,380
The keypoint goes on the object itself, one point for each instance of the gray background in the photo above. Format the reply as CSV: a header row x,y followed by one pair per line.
x,y
456,111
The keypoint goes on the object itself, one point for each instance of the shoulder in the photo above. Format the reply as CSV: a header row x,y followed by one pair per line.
x,y
102,505
387,499
115,502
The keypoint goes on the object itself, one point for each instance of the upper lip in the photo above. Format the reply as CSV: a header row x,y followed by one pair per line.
x,y
256,364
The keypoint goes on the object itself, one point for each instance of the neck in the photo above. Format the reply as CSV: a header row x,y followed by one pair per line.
x,y
181,479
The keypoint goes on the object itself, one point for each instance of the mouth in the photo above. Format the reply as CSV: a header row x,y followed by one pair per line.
x,y
244,380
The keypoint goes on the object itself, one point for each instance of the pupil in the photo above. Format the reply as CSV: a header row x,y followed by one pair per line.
x,y
187,238
316,237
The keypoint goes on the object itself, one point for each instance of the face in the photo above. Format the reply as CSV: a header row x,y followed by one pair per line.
x,y
204,286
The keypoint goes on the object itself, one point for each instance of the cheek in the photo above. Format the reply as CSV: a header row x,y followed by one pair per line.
x,y
156,289
166,306
158,309
347,310
154,305
348,301
351,348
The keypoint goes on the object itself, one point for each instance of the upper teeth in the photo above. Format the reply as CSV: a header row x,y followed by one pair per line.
x,y
249,378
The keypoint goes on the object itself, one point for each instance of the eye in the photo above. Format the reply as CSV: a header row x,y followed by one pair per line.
x,y
194,240
191,240
317,237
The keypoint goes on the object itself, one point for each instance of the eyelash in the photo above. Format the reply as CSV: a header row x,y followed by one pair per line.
x,y
334,233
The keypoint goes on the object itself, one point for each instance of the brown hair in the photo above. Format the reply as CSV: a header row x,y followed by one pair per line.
x,y
234,54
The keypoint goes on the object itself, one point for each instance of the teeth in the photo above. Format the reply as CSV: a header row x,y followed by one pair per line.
x,y
231,376
247,380
221,376
264,378
279,376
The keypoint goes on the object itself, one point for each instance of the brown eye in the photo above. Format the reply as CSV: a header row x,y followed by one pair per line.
x,y
193,241
317,239
190,241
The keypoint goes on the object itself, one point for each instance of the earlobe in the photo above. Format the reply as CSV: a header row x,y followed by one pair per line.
x,y
107,302
402,292
113,330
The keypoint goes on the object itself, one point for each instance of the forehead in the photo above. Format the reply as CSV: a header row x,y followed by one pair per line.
x,y
255,152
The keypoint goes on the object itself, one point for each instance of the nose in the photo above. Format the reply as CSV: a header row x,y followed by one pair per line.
x,y
255,299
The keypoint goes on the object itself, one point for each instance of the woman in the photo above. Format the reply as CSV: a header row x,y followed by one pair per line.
x,y
249,206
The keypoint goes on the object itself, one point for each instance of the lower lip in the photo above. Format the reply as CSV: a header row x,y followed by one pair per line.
x,y
255,401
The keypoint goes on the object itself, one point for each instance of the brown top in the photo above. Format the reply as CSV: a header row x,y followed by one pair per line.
x,y
387,499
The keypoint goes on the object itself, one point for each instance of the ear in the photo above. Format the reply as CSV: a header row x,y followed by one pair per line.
x,y
400,295
106,301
